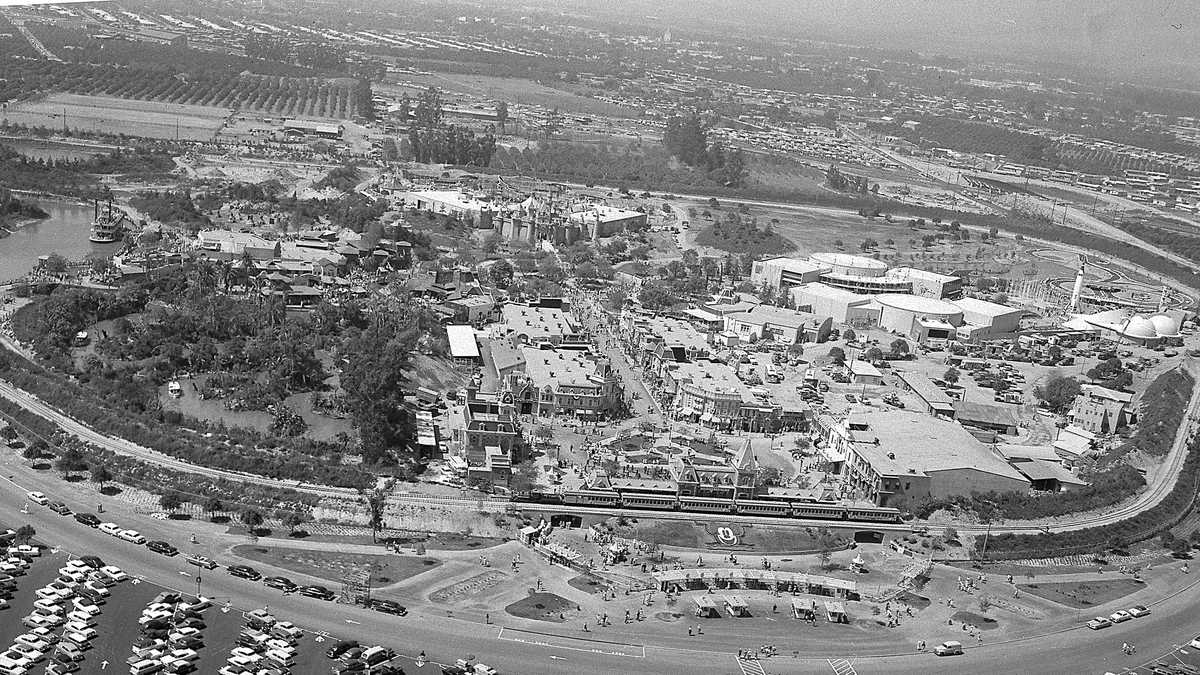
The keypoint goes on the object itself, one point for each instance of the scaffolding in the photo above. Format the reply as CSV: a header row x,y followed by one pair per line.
x,y
356,587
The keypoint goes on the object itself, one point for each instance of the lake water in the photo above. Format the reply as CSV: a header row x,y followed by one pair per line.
x,y
65,232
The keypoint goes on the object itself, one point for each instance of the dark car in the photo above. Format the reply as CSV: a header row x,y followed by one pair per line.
x,y
352,667
192,622
89,519
59,508
341,648
352,654
319,592
387,607
162,547
282,583
91,561
170,597
244,572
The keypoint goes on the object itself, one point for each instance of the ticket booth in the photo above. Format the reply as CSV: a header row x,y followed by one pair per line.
x,y
706,608
736,606
804,608
835,612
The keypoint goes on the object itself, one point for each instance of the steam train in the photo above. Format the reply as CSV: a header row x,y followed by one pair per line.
x,y
766,505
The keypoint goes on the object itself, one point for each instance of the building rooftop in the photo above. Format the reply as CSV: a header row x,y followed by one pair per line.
x,y
776,316
462,342
712,376
537,323
989,309
827,259
832,292
603,214
914,273
899,442
677,332
917,304
863,368
984,413
555,367
796,265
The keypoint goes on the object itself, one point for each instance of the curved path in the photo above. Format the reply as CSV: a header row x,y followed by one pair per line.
x,y
1161,485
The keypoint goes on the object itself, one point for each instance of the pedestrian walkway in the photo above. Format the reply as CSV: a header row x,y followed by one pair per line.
x,y
842,667
750,666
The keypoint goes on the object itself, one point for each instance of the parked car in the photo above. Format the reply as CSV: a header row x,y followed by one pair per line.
x,y
282,583
1098,623
201,561
162,547
88,519
110,528
1119,616
244,572
38,498
319,592
132,536
60,508
388,607
1138,610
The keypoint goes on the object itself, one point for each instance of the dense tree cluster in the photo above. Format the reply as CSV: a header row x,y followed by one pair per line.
x,y
323,56
1160,412
686,137
432,140
11,207
172,207
741,234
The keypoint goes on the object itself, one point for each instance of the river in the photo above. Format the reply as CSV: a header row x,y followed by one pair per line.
x,y
65,232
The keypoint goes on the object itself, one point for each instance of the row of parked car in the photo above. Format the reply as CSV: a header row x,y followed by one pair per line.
x,y
1118,616
62,624
265,646
355,659
314,591
170,635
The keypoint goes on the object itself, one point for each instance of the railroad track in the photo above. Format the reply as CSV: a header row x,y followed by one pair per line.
x,y
120,446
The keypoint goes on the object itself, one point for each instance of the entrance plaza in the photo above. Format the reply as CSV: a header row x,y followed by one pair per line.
x,y
681,580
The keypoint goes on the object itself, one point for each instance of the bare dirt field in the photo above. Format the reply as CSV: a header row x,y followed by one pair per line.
x,y
149,119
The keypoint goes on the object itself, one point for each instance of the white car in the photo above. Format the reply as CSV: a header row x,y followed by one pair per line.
x,y
34,655
21,562
80,639
97,588
82,617
33,641
1138,611
110,528
48,593
9,568
147,618
186,655
38,498
1098,623
76,627
132,536
45,633
1195,643
48,606
88,607
114,573
25,550
1119,616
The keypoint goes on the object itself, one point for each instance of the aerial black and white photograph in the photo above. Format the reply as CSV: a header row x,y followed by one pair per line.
x,y
572,337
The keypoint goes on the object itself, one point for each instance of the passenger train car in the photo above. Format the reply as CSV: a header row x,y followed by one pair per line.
x,y
779,507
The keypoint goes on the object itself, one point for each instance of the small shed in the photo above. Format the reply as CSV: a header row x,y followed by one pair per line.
x,y
835,612
736,606
529,534
706,607
804,608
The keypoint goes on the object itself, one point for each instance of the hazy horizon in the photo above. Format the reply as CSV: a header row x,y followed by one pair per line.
x,y
1158,39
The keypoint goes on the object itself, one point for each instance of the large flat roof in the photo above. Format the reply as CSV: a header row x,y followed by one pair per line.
x,y
554,367
977,306
900,442
537,322
462,342
778,316
917,304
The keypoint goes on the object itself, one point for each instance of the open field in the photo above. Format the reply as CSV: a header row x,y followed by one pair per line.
x,y
149,119
511,89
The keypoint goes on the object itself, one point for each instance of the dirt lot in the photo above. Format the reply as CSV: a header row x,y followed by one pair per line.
x,y
122,116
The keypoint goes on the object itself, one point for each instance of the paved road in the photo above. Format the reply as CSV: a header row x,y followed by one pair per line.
x,y
515,649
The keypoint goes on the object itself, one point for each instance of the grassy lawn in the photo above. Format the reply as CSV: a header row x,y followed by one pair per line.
x,y
752,539
541,607
385,569
979,621
1082,594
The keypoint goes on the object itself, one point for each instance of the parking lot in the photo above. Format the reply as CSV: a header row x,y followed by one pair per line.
x,y
117,625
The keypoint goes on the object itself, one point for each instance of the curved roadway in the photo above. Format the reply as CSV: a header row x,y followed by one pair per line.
x,y
1162,484
1065,647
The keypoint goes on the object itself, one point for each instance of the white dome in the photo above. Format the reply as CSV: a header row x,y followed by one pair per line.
x,y
1165,325
1140,327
